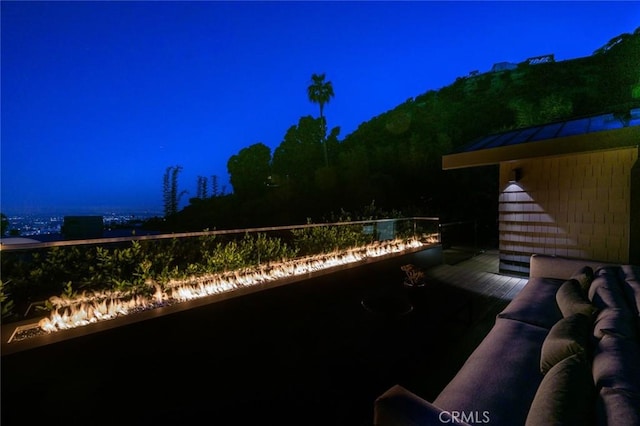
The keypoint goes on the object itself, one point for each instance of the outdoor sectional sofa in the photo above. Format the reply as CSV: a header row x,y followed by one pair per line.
x,y
566,350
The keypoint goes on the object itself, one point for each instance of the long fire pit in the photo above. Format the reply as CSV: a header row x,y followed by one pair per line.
x,y
99,311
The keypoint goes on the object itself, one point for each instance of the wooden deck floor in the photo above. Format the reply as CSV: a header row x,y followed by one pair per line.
x,y
475,274
298,354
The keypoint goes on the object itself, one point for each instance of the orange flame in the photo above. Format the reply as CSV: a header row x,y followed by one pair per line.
x,y
89,308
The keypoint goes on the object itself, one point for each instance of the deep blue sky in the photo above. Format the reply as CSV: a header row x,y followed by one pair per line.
x,y
98,98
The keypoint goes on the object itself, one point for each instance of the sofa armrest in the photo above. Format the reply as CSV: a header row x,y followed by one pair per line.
x,y
397,406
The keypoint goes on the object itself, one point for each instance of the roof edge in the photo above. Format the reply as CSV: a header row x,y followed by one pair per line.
x,y
625,137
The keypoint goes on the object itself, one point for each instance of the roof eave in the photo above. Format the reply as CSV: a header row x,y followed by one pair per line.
x,y
590,142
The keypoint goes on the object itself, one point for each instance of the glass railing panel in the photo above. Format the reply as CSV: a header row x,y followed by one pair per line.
x,y
38,279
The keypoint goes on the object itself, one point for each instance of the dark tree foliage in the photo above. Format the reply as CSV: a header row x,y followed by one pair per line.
x,y
249,170
215,189
170,194
321,92
393,160
202,187
4,224
299,155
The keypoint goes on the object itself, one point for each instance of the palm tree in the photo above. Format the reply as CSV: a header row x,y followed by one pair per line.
x,y
320,92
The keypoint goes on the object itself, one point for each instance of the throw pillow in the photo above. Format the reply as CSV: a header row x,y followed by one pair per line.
x,y
567,337
565,395
572,300
585,277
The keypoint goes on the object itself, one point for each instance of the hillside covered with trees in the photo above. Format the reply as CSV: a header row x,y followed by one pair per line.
x,y
391,164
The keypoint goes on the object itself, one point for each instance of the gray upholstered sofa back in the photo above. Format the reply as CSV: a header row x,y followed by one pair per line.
x,y
545,266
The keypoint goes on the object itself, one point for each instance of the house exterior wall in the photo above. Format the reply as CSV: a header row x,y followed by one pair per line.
x,y
575,206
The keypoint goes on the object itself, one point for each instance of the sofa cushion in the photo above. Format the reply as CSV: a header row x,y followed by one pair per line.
x,y
616,363
565,396
584,276
501,376
614,321
632,285
606,289
535,303
617,407
567,337
632,290
572,300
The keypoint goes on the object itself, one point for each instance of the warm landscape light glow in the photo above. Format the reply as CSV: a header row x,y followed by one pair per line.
x,y
90,308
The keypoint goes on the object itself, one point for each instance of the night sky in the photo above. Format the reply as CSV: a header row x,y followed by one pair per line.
x,y
99,98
